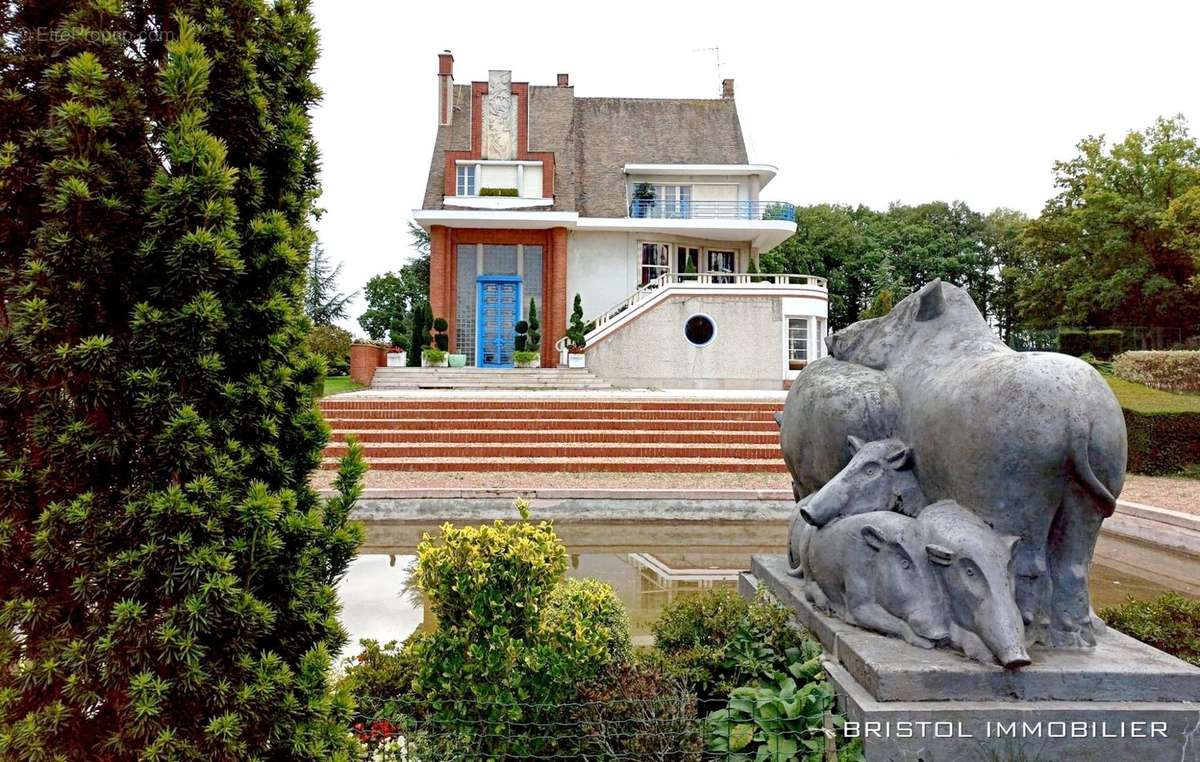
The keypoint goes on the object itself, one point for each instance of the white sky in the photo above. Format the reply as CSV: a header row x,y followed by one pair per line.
x,y
854,102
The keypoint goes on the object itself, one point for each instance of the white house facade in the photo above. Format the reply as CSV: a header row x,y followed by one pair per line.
x,y
647,209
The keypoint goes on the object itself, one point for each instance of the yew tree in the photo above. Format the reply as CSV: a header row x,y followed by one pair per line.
x,y
166,572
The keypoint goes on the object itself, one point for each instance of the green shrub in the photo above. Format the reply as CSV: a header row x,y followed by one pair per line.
x,y
493,576
576,605
510,192
521,339
577,331
513,642
1073,341
1170,623
637,711
1175,371
778,720
1106,343
1162,443
718,641
333,344
535,335
433,356
525,357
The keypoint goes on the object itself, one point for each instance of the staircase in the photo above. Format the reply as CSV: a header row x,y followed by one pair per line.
x,y
590,434
520,379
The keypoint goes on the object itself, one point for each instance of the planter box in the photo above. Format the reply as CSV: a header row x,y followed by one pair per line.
x,y
576,361
457,361
397,359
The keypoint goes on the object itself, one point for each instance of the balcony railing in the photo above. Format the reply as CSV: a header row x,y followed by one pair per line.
x,y
684,280
678,209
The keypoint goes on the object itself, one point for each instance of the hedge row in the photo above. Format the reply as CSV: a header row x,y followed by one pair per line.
x,y
1175,371
1162,443
1104,343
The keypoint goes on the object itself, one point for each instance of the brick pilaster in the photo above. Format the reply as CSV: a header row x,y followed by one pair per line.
x,y
440,282
554,296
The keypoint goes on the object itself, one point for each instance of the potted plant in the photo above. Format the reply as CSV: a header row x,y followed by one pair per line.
x,y
643,199
576,337
432,357
522,357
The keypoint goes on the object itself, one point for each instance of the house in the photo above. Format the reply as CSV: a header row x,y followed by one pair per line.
x,y
648,209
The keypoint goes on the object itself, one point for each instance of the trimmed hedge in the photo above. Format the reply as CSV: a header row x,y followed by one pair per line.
x,y
1104,343
1170,623
1072,341
1162,443
1174,371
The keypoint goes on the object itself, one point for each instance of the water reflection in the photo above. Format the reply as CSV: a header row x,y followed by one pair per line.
x,y
652,563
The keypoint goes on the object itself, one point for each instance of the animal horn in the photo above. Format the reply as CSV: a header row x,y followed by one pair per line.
x,y
855,443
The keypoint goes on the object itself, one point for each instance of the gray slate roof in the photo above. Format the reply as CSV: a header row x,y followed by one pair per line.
x,y
594,138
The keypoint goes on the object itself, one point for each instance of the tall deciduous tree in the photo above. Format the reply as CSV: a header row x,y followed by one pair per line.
x,y
393,297
1118,244
167,573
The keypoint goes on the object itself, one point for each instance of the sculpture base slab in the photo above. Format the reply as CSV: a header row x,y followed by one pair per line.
x,y
1123,700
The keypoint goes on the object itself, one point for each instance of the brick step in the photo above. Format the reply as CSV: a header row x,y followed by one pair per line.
x,y
527,436
575,465
490,424
573,450
336,404
535,413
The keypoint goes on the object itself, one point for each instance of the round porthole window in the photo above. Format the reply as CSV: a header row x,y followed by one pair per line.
x,y
700,329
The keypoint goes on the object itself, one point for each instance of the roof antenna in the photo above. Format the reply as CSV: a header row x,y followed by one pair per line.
x,y
717,55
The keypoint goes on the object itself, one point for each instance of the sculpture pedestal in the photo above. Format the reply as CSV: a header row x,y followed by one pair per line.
x,y
1124,700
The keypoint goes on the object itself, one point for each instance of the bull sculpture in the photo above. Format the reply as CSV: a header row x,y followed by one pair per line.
x,y
1032,444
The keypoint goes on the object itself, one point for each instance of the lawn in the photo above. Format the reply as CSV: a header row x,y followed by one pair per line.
x,y
1143,399
340,384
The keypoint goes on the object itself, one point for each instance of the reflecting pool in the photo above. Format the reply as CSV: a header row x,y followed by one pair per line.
x,y
650,563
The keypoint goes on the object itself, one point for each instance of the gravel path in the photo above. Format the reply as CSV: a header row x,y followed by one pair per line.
x,y
1173,493
1169,492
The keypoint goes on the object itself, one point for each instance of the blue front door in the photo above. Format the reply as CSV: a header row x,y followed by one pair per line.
x,y
499,307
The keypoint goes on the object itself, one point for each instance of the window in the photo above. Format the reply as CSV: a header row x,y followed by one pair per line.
x,y
656,261
699,329
797,343
722,262
820,337
687,255
466,180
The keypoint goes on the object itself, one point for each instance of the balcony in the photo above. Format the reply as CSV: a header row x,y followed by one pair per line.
x,y
678,209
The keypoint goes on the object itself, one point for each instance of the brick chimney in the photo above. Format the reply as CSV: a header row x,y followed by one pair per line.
x,y
727,88
445,88
564,80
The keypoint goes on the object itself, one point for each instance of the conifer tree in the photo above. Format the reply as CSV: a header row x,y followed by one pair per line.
x,y
167,574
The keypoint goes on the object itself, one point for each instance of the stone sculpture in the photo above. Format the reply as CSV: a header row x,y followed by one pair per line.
x,y
830,402
500,118
940,578
879,477
1024,454
1034,443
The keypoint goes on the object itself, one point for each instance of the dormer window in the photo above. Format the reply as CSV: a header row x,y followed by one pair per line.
x,y
466,180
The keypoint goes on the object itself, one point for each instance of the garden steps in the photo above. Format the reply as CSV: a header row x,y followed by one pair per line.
x,y
648,449
573,464
591,433
485,379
